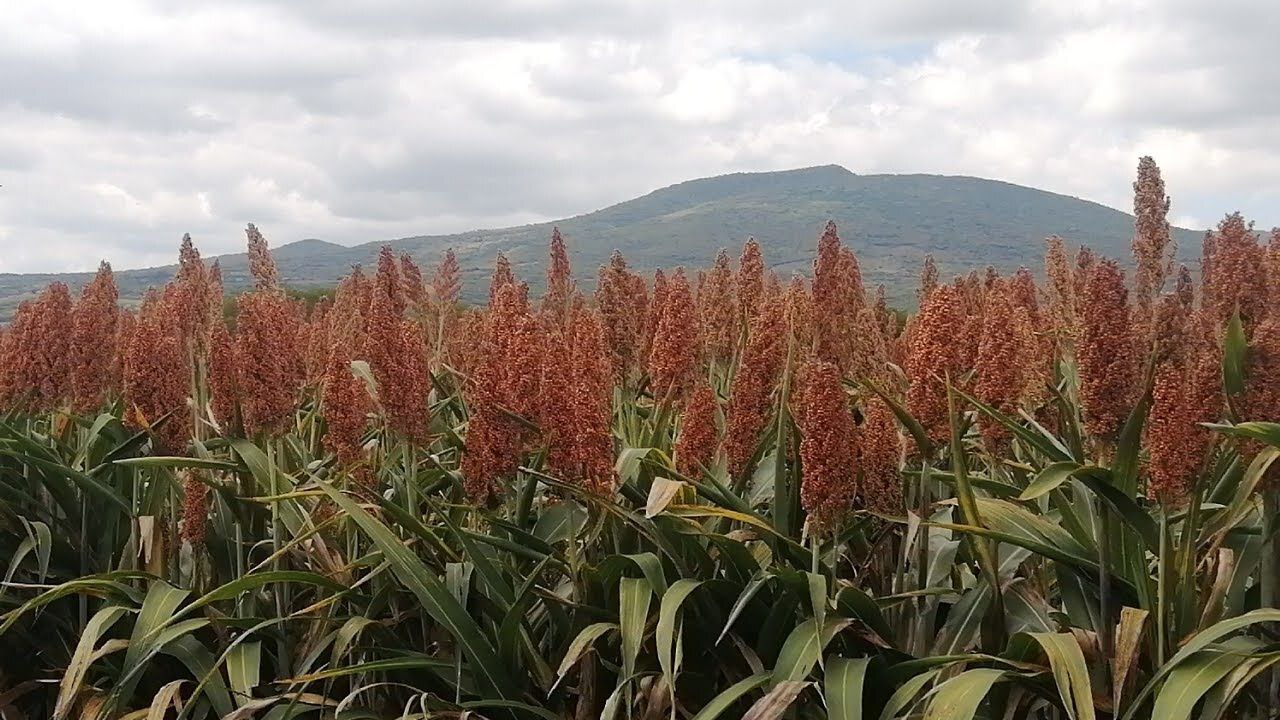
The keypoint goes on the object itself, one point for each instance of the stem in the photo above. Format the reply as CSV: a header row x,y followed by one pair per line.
x,y
1162,588
277,530
1104,579
1186,616
1271,507
922,548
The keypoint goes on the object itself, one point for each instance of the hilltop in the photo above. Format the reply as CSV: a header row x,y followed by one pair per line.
x,y
891,221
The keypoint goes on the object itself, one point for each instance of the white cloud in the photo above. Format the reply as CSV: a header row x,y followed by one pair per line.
x,y
124,124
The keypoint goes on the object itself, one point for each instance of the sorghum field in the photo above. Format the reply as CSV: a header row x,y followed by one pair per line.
x,y
703,494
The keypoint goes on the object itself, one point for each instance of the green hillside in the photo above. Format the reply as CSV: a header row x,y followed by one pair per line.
x,y
890,220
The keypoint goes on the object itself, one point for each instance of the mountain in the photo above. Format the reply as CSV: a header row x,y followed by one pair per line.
x,y
891,221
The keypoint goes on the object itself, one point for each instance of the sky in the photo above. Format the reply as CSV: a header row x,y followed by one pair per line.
x,y
124,124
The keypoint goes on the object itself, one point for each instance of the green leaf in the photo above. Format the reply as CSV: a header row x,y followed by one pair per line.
x,y
802,649
244,665
560,522
200,662
69,687
434,597
1234,350
726,699
1191,680
415,662
1070,673
740,604
842,687
579,646
634,596
1198,642
959,697
906,693
665,634
1050,478
256,580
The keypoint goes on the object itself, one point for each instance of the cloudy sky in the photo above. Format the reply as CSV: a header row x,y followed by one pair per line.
x,y
124,124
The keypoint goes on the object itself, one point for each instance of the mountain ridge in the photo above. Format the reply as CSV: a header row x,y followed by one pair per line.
x,y
890,220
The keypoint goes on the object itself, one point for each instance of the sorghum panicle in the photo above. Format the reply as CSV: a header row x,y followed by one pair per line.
x,y
224,377
346,404
749,282
928,278
1105,351
262,266
620,311
96,321
1187,391
673,361
156,376
1004,357
388,282
718,308
1061,289
1152,242
828,448
749,407
195,508
931,357
880,451
695,447
592,404
1238,280
559,294
502,276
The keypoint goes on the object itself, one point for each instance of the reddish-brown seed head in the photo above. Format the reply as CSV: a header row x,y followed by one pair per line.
x,y
96,320
156,376
749,403
718,308
1105,351
195,508
591,408
415,290
398,359
828,448
388,282
1152,243
1187,392
673,361
506,380
224,378
1004,361
654,315
928,278
502,276
1262,373
1061,288
268,360
932,357
695,446
621,313
880,451
196,297
262,266
750,280
446,282
50,347
559,280
346,404
1238,280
